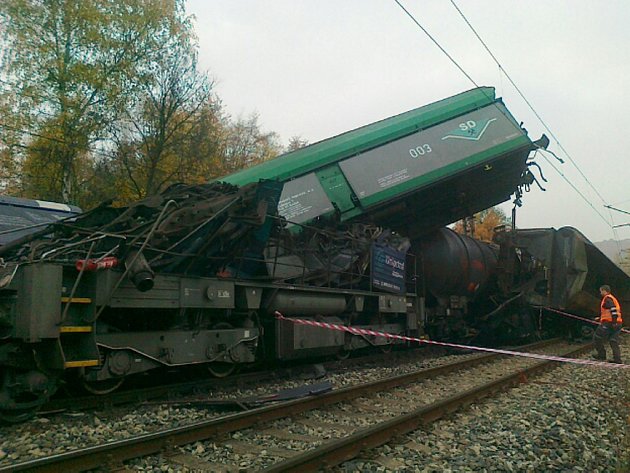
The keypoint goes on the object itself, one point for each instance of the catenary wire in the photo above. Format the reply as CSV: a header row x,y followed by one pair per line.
x,y
502,69
452,60
608,223
436,43
576,189
468,76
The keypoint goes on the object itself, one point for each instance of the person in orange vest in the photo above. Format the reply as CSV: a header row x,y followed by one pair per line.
x,y
610,323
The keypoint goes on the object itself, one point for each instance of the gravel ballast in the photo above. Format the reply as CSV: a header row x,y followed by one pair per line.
x,y
574,418
69,431
557,422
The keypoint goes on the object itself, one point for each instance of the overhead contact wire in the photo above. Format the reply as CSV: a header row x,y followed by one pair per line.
x,y
531,107
436,43
608,223
576,189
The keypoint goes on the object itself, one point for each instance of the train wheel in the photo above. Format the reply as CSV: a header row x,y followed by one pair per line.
x,y
15,416
102,387
113,363
23,393
220,369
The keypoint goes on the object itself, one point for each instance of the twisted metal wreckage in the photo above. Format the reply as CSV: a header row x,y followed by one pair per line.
x,y
215,229
193,276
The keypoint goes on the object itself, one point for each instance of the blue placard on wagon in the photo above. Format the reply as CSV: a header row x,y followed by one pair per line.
x,y
388,269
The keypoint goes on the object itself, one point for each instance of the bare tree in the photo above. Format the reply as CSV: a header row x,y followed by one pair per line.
x,y
154,138
296,142
246,145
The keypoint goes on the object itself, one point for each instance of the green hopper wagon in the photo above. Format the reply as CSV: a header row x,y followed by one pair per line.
x,y
412,172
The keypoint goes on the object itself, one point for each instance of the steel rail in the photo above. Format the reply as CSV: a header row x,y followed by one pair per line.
x,y
337,451
167,391
145,394
184,388
114,453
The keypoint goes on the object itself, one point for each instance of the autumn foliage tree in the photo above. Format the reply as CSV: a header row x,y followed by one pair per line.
x,y
104,98
153,137
295,143
10,144
74,68
483,223
246,145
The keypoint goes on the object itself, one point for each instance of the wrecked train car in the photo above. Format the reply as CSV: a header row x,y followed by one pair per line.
x,y
194,275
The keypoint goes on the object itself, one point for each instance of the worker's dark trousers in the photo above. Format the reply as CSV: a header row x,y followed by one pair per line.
x,y
607,332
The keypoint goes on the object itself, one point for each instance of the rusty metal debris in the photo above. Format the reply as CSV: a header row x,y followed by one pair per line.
x,y
246,403
215,229
186,229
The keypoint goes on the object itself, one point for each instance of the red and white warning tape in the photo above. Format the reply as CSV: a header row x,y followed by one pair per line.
x,y
362,331
566,314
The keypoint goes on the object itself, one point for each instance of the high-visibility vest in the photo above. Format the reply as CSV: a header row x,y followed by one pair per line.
x,y
606,315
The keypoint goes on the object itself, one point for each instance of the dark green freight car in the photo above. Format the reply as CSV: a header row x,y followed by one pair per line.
x,y
412,172
194,275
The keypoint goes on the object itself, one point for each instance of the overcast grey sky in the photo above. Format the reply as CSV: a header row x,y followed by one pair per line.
x,y
317,68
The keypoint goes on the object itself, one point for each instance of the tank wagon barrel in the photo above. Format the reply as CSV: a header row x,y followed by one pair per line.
x,y
455,264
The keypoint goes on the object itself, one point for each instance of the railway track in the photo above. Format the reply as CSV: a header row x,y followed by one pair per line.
x,y
200,387
322,444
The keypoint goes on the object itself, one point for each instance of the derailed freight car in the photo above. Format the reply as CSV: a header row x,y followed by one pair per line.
x,y
502,291
195,274
558,269
411,173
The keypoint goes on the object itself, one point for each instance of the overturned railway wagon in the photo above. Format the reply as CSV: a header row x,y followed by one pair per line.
x,y
347,230
413,172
